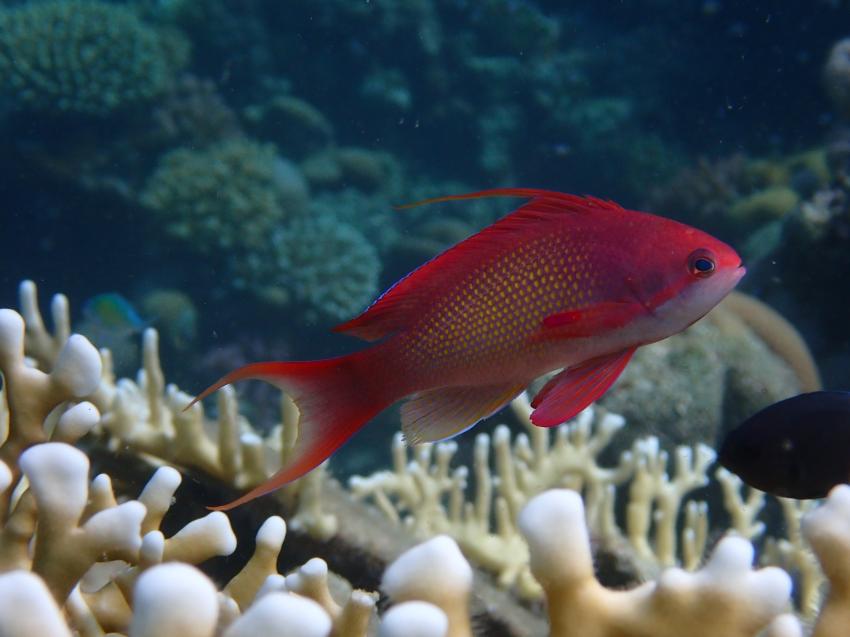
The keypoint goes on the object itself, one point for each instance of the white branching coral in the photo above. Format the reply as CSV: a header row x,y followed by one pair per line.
x,y
31,394
27,608
88,563
263,564
435,572
75,527
174,599
66,546
112,570
146,415
428,496
791,553
726,597
147,585
311,581
827,528
655,497
414,619
282,614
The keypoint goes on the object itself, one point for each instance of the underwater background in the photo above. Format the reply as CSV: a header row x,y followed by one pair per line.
x,y
229,168
226,172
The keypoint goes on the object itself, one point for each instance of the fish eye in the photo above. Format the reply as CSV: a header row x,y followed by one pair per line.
x,y
701,263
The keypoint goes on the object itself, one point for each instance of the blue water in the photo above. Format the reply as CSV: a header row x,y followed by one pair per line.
x,y
246,154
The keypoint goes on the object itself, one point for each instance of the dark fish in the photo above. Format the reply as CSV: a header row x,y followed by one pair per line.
x,y
796,448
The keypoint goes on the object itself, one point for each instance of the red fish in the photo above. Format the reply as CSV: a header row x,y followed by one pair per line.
x,y
562,282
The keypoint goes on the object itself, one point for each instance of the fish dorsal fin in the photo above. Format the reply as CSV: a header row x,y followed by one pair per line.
x,y
396,308
446,412
573,389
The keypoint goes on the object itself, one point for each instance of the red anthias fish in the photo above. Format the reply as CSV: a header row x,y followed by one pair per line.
x,y
562,282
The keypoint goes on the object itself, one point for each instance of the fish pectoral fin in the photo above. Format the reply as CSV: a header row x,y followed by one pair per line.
x,y
589,321
442,413
573,389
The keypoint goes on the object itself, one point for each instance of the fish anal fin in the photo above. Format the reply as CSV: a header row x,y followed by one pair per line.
x,y
443,413
589,321
573,389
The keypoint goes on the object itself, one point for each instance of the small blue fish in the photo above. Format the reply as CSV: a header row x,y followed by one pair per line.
x,y
112,311
109,320
796,448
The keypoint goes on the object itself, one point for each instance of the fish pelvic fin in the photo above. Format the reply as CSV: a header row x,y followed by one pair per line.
x,y
573,389
334,401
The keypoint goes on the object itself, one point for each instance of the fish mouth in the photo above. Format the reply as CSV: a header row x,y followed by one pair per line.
x,y
740,271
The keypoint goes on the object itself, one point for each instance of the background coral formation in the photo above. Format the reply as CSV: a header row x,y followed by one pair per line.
x,y
84,57
231,169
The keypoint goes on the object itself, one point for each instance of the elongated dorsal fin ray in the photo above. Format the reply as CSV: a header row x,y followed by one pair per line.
x,y
525,193
402,303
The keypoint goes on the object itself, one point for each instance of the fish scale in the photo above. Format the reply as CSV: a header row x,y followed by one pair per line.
x,y
490,315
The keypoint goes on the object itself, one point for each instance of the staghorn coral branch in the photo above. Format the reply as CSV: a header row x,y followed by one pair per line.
x,y
32,394
724,598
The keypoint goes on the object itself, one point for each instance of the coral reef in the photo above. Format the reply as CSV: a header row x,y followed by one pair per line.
x,y
709,602
83,56
146,414
193,113
331,269
360,168
175,315
371,214
203,197
814,247
737,195
290,254
114,137
763,206
836,76
485,84
292,123
66,542
426,496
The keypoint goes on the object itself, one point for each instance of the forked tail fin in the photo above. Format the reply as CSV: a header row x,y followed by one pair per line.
x,y
334,400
